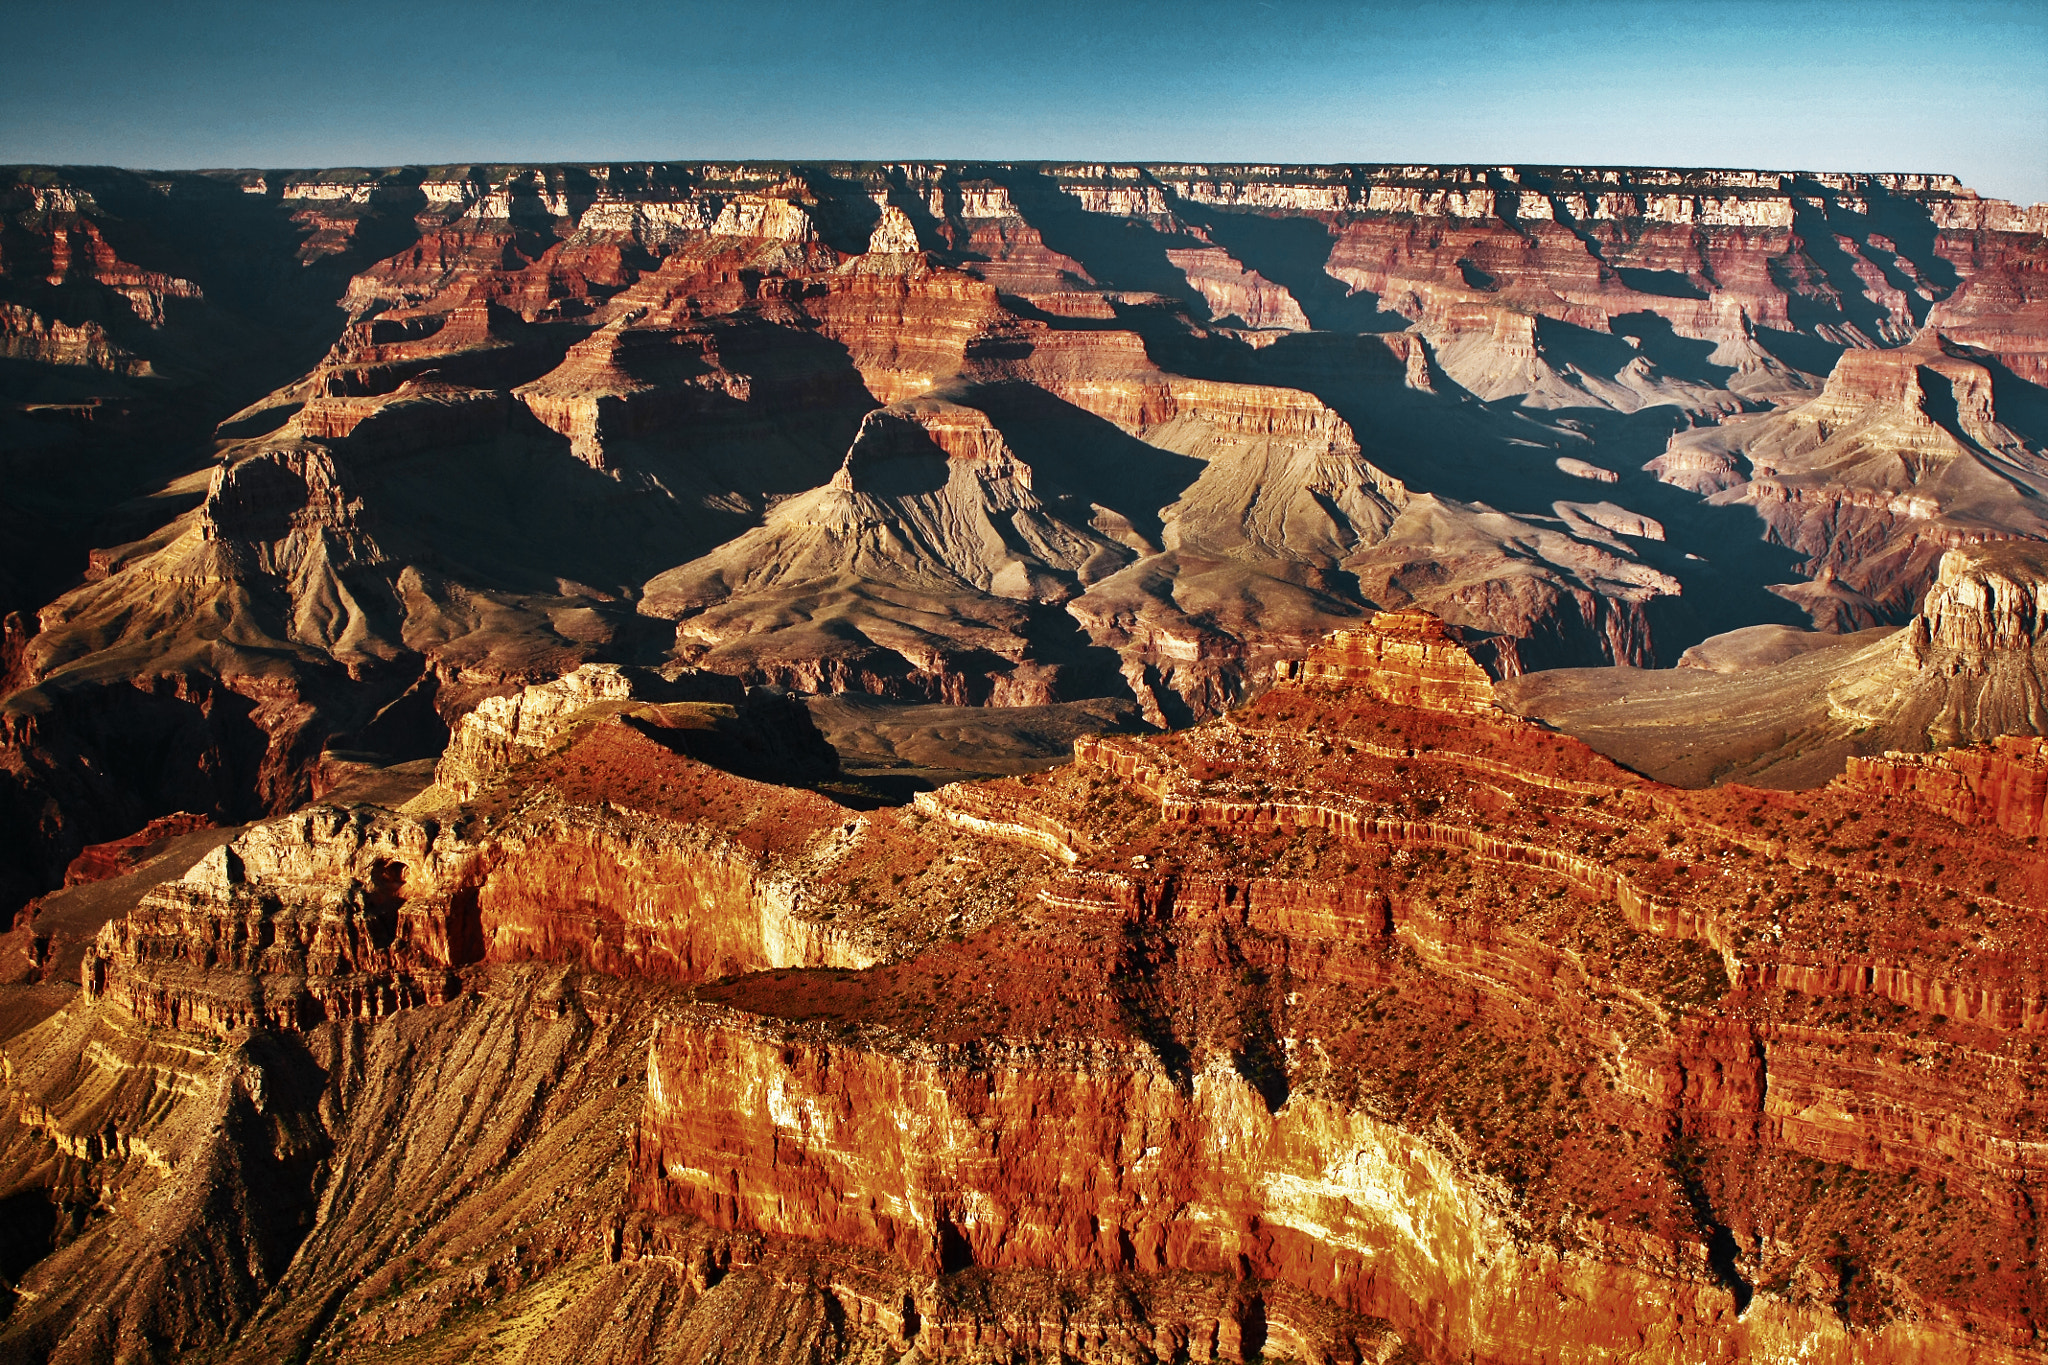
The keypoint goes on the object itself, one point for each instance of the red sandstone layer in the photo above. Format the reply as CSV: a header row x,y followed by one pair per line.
x,y
1411,1017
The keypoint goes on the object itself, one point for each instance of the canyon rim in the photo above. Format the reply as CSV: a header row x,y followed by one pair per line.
x,y
985,761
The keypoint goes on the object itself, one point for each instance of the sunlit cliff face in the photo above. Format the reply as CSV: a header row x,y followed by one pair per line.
x,y
1367,1019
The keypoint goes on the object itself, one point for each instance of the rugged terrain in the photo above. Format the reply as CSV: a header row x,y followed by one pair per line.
x,y
1786,708
1505,710
300,466
1369,1022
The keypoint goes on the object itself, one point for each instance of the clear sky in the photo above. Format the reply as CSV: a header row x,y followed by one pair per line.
x,y
1956,86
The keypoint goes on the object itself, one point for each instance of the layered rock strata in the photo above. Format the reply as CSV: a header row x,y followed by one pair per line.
x,y
1325,921
1026,434
1367,1023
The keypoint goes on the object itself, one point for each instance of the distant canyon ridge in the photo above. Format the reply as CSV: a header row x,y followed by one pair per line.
x,y
300,467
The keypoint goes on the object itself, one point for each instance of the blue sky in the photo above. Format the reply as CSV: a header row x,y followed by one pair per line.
x,y
1899,85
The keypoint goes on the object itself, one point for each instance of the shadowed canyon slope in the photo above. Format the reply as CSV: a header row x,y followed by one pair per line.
x,y
303,465
1367,1023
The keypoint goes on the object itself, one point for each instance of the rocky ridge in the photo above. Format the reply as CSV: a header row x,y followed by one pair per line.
x,y
1025,434
1381,1024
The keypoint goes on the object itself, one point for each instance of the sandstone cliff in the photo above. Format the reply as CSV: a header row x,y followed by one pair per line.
x,y
1366,1023
580,414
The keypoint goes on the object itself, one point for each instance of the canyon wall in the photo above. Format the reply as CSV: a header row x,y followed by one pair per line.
x,y
1358,1018
952,432
1369,1022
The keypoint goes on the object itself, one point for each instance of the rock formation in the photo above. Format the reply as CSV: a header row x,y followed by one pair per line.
x,y
1902,455
1788,708
1361,1017
1368,1022
947,433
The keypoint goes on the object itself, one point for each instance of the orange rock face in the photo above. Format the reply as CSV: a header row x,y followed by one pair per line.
x,y
117,856
2003,785
1170,1068
1368,1018
1409,658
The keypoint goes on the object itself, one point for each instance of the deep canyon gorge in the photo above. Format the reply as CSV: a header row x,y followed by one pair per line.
x,y
785,762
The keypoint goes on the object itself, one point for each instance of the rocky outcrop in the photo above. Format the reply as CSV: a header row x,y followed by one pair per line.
x,y
1302,1198
336,914
930,501
325,914
117,857
1980,630
1376,1021
1218,1128
1982,604
1409,658
1233,292
502,732
1968,667
1242,405
2003,784
339,913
